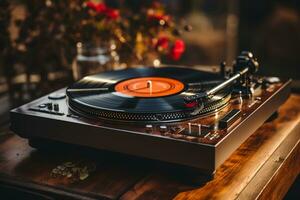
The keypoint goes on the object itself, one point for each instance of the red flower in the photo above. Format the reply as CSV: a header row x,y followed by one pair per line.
x,y
112,13
98,7
162,42
101,8
177,49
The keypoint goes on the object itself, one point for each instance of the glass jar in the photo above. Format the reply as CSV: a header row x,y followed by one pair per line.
x,y
92,59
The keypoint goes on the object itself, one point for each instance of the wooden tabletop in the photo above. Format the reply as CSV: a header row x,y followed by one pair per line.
x,y
263,167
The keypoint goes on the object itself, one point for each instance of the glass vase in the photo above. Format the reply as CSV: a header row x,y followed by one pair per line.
x,y
92,58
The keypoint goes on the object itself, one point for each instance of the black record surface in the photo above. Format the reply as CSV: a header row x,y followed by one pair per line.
x,y
95,95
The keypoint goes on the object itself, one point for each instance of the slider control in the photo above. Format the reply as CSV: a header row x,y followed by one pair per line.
x,y
229,119
194,129
199,129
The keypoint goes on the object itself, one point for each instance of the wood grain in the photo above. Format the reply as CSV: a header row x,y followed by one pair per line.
x,y
279,183
273,165
238,170
113,176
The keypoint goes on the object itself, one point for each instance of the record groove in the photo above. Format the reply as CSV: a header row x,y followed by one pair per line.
x,y
139,104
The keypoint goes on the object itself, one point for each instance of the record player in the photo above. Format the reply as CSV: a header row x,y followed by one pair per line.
x,y
173,114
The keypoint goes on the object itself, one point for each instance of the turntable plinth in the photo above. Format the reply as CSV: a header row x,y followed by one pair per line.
x,y
267,161
103,111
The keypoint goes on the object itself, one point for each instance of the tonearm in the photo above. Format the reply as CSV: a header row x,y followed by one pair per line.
x,y
243,68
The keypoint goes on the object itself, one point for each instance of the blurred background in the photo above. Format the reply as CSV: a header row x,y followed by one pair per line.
x,y
47,44
44,43
40,40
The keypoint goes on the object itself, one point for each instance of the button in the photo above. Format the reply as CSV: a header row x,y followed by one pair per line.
x,y
56,107
149,128
57,95
49,106
163,128
42,106
46,111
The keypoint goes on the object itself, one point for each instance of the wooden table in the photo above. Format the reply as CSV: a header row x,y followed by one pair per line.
x,y
263,167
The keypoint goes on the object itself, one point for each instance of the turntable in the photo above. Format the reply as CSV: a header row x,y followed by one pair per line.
x,y
173,114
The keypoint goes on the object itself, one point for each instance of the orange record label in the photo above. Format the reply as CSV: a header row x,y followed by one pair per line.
x,y
149,87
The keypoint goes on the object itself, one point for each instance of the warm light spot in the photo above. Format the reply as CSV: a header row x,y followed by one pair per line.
x,y
156,62
96,79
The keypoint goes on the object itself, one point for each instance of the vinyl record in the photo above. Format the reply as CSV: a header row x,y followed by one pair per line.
x,y
143,94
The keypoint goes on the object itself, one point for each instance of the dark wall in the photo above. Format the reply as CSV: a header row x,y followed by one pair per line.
x,y
271,29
